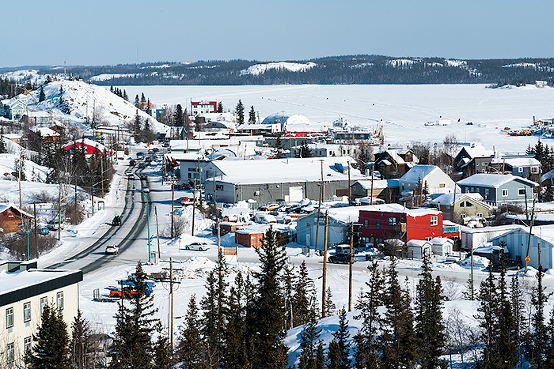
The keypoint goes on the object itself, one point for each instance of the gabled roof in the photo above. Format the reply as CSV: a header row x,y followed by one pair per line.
x,y
377,183
4,207
518,161
419,172
492,180
477,151
448,198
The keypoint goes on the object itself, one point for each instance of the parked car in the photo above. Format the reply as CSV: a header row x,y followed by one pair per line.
x,y
197,246
140,155
111,250
185,201
132,163
146,189
341,259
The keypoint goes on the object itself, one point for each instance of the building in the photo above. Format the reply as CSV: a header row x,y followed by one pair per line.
x,y
11,219
498,189
465,205
517,243
287,180
203,107
24,292
310,234
385,189
426,176
380,222
15,108
253,235
417,249
525,166
472,159
476,237
394,163
88,146
320,150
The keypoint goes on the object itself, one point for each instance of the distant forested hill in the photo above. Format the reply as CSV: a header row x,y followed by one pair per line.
x,y
357,69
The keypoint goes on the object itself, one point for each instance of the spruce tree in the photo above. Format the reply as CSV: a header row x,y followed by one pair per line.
x,y
163,352
189,349
278,148
51,348
236,351
137,102
132,345
517,302
41,95
252,115
81,343
487,315
3,149
302,300
269,350
288,295
329,304
240,113
538,343
333,356
342,337
429,325
320,356
366,346
308,344
179,121
220,107
507,339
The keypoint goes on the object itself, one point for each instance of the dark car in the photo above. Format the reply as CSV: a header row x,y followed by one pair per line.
x,y
341,259
116,220
132,163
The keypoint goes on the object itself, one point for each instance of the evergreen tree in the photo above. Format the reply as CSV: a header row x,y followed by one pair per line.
x,y
487,314
179,121
125,96
366,346
132,345
304,150
520,322
3,148
213,319
240,113
333,357
302,300
341,336
507,339
425,193
252,115
398,338
148,107
236,351
308,344
329,304
189,349
163,352
288,295
269,349
41,95
220,107
142,101
137,102
137,126
51,349
320,356
81,344
278,148
429,326
538,342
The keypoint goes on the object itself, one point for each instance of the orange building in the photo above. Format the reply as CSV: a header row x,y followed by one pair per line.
x,y
10,218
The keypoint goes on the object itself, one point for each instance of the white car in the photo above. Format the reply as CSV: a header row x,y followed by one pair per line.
x,y
111,250
197,246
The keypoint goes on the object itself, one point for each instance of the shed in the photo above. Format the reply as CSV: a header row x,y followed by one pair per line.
x,y
252,236
418,248
11,218
442,246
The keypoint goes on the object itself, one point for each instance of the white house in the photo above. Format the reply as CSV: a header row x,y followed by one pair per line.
x,y
418,248
437,181
442,246
24,292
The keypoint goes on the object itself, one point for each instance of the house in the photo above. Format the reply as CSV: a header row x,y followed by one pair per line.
x,y
498,189
310,234
442,246
394,163
380,222
12,218
88,146
291,124
426,176
385,189
517,243
320,150
465,205
417,249
46,134
41,117
472,159
472,238
525,166
15,108
203,107
253,235
259,129
288,180
24,292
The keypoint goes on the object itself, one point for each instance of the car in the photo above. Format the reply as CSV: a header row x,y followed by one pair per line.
x,y
140,155
143,176
146,189
197,246
116,220
111,250
132,163
341,259
185,201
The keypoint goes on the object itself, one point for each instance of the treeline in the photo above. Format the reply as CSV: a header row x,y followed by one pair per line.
x,y
356,69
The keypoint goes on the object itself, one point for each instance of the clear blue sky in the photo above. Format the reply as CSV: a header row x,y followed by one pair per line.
x,y
98,32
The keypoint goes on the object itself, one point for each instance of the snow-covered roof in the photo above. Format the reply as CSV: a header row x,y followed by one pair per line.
x,y
285,170
45,131
439,241
478,151
419,172
518,162
261,228
88,142
397,208
448,198
491,180
377,183
4,207
418,243
13,281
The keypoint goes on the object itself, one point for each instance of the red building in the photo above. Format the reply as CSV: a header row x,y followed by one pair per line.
x,y
395,221
203,107
89,147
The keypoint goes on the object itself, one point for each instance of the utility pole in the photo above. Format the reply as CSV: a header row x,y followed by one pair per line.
x,y
60,212
171,302
349,188
157,232
35,215
350,269
319,208
102,174
324,287
172,205
19,178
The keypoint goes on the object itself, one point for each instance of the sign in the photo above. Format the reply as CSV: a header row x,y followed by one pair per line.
x,y
527,259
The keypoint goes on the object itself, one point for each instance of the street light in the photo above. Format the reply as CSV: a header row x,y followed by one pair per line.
x,y
147,221
26,226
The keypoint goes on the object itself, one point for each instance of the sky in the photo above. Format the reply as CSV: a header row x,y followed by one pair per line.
x,y
107,32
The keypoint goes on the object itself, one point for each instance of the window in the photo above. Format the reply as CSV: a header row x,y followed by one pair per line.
x,y
377,224
477,164
521,191
520,169
27,312
392,221
366,223
43,303
427,238
9,317
10,353
505,192
479,215
463,204
468,204
219,187
434,220
534,170
59,300
27,344
442,185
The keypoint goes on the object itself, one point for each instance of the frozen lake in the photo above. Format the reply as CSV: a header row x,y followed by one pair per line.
x,y
403,109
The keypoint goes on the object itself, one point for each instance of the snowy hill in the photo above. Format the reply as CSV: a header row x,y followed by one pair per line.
x,y
84,100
